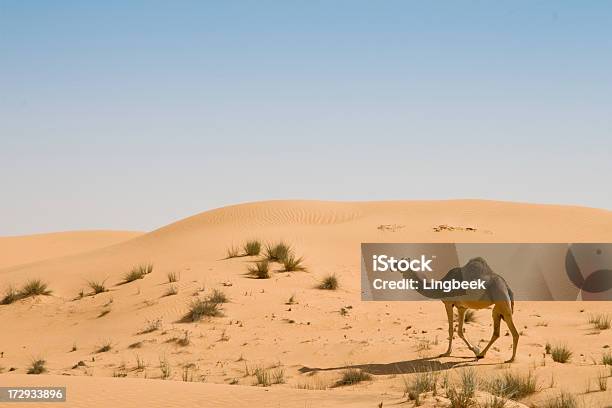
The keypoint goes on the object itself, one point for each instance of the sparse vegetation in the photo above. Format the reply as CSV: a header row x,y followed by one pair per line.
x,y
565,400
200,308
151,326
138,344
104,347
140,363
494,402
421,382
232,252
513,385
470,316
560,353
10,295
268,376
37,366
313,383
602,381
97,286
173,277
262,377
606,358
171,291
260,270
330,282
278,375
120,372
353,376
252,248
184,341
278,252
463,398
600,321
188,370
164,366
291,264
34,287
217,296
137,272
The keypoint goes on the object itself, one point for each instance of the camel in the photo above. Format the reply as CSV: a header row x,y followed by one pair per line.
x,y
497,293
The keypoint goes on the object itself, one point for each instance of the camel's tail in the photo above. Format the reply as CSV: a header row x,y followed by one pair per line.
x,y
511,294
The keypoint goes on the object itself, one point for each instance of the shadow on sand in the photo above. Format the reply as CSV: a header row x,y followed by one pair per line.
x,y
419,365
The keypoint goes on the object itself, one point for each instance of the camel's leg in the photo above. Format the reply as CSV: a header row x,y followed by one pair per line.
x,y
449,315
496,325
515,335
460,330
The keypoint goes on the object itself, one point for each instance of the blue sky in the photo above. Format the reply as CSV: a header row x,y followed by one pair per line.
x,y
130,115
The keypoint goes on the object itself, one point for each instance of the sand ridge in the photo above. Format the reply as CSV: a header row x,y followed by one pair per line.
x,y
25,249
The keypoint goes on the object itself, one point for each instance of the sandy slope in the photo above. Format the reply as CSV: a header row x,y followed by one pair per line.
x,y
32,248
311,340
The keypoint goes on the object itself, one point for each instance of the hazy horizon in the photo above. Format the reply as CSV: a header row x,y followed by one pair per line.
x,y
131,116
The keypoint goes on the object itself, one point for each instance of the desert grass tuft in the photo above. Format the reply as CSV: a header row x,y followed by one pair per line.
x,y
97,286
201,308
37,366
602,381
260,270
217,296
600,321
165,368
606,358
353,376
278,252
470,316
252,248
171,291
560,353
291,264
185,340
268,376
513,385
565,400
151,326
232,252
137,272
10,295
33,287
173,277
330,282
464,396
105,347
421,382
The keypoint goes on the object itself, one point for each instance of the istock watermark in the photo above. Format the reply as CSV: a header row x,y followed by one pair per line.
x,y
478,272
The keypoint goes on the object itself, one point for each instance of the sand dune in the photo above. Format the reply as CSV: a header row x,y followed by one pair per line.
x,y
33,248
311,340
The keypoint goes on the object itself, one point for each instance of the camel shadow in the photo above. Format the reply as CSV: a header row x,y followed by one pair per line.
x,y
419,365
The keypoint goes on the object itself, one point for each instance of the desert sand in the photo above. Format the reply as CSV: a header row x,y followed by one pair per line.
x,y
311,341
33,248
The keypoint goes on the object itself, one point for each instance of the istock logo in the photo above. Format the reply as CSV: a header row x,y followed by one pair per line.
x,y
383,263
